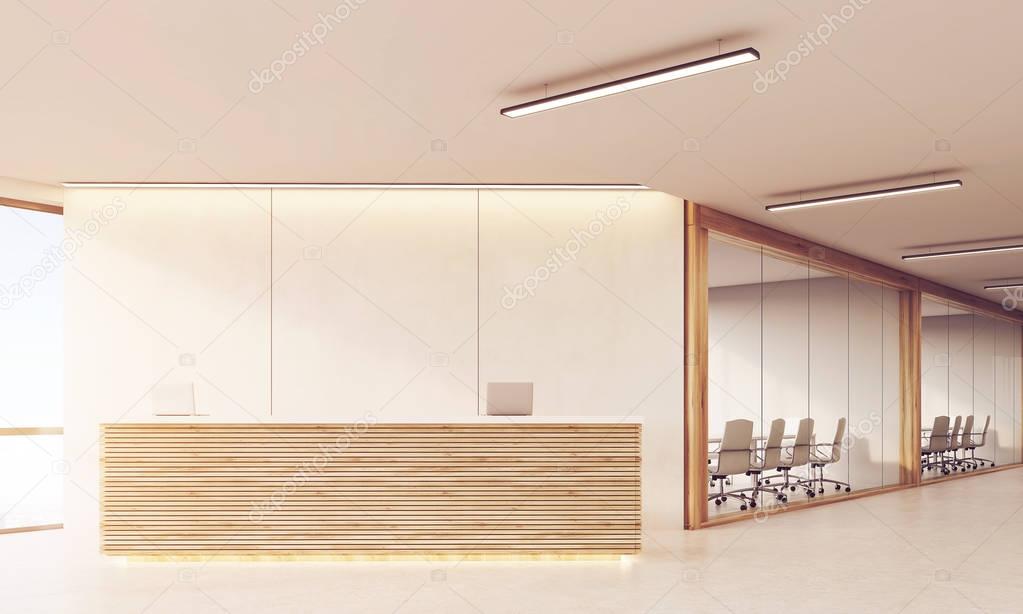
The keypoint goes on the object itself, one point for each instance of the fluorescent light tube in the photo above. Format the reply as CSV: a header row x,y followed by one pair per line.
x,y
1004,286
965,252
848,198
366,186
631,83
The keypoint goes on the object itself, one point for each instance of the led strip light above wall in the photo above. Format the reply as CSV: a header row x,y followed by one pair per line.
x,y
1005,286
619,86
365,186
965,252
848,198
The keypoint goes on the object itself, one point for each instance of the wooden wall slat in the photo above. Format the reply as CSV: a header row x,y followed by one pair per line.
x,y
337,489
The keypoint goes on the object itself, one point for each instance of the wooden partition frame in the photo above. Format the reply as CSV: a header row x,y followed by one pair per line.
x,y
17,203
697,239
700,222
910,386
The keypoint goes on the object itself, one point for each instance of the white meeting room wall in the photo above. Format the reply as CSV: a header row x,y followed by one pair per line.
x,y
822,347
341,304
970,364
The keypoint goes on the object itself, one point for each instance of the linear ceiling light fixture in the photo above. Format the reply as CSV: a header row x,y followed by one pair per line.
x,y
1004,286
848,198
367,186
688,69
965,252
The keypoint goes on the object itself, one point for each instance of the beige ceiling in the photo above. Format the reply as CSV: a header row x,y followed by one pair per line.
x,y
410,91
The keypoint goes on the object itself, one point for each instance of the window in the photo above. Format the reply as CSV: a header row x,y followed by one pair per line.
x,y
31,369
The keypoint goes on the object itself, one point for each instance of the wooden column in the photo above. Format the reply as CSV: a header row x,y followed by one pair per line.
x,y
909,374
696,238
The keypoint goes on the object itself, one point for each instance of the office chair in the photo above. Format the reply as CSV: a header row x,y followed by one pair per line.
x,y
733,459
798,455
972,444
819,461
771,460
958,442
937,444
953,435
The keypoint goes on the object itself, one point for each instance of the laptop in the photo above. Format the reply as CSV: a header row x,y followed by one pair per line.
x,y
510,398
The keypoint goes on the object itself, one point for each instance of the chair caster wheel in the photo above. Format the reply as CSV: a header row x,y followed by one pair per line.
x,y
838,487
792,488
820,491
717,501
752,503
742,507
992,464
848,489
784,499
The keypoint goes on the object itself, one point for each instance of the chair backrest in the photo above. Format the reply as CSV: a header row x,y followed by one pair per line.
x,y
801,446
772,450
836,446
954,435
734,455
939,435
983,433
967,439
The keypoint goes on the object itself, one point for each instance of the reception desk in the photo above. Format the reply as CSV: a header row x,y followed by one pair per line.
x,y
488,485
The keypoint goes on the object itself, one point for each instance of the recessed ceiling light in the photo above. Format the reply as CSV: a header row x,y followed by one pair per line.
x,y
1004,286
689,69
848,198
966,252
367,186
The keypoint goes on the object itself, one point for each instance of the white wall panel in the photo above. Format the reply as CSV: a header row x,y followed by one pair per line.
x,y
170,289
374,303
598,326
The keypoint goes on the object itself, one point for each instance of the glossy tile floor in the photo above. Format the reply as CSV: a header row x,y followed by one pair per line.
x,y
950,547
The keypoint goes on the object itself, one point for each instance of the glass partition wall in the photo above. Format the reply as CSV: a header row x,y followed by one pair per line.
x,y
803,387
970,390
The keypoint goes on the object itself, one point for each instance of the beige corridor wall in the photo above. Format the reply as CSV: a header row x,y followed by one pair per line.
x,y
328,304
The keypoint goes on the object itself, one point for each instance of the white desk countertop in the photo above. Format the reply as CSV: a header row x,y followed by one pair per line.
x,y
515,420
270,421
